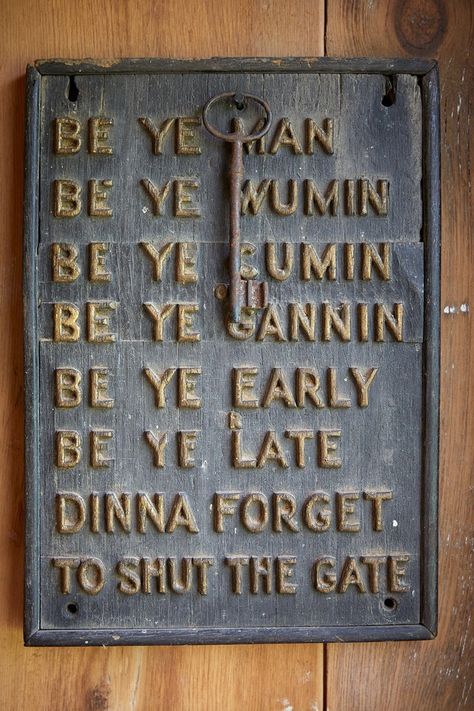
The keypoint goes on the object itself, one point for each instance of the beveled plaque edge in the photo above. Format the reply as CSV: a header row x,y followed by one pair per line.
x,y
427,70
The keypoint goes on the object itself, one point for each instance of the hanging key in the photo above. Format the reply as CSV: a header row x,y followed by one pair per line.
x,y
246,293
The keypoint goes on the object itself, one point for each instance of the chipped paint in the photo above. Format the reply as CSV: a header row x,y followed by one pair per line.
x,y
452,309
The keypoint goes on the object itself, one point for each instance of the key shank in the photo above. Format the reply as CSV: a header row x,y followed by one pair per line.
x,y
245,293
236,172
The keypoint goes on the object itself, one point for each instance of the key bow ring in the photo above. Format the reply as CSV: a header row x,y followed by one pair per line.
x,y
236,136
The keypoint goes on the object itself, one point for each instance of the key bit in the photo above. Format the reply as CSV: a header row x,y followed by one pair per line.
x,y
242,292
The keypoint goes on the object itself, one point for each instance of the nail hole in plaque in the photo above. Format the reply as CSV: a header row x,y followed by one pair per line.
x,y
390,604
72,608
239,102
73,89
390,95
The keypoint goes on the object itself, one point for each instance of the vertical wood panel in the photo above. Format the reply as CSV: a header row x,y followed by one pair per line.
x,y
254,678
439,674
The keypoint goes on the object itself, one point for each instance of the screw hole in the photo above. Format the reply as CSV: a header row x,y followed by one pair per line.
x,y
73,89
390,604
72,608
239,102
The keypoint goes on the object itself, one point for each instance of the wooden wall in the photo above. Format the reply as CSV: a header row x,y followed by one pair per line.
x,y
419,675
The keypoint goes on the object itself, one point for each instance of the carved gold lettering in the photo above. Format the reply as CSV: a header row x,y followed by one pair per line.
x,y
324,579
99,135
99,448
98,196
157,442
373,564
159,381
363,383
155,569
377,198
98,321
186,136
158,195
158,134
159,315
284,511
288,208
260,568
307,384
184,200
253,197
380,259
181,514
65,268
67,387
236,563
254,512
99,388
377,497
280,273
328,446
158,256
186,263
153,510
243,387
239,459
299,437
70,512
327,203
350,576
311,263
118,509
128,569
396,571
98,252
66,198
65,326
336,319
185,323
270,325
334,399
68,448
284,571
278,388
345,508
187,397
65,566
321,520
324,136
91,575
202,567
302,317
285,136
67,139
224,504
392,321
271,450
186,446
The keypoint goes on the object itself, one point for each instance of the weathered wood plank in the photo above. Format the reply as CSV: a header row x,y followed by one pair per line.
x,y
437,674
381,447
132,678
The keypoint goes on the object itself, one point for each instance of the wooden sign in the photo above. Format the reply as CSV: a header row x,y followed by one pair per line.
x,y
231,439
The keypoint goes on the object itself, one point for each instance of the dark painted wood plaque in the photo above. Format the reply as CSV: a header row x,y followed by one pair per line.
x,y
192,477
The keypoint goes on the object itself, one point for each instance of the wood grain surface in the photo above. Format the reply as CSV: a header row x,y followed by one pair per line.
x,y
419,676
439,674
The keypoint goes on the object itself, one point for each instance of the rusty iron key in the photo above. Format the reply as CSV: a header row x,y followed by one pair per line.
x,y
246,292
